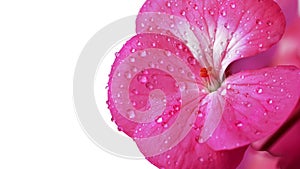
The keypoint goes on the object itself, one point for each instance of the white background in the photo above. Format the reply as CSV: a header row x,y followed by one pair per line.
x,y
40,42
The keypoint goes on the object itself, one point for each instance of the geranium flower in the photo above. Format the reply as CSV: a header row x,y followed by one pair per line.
x,y
168,90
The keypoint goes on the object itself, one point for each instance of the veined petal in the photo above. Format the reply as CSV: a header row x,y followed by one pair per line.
x,y
226,30
256,104
189,154
154,92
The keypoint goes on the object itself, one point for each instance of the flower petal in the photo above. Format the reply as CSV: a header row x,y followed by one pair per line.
x,y
154,92
258,160
217,32
289,47
257,103
189,154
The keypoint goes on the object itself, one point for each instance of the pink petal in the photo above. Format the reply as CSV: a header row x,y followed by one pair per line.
x,y
154,98
289,47
287,147
257,103
189,154
290,9
217,32
258,160
154,91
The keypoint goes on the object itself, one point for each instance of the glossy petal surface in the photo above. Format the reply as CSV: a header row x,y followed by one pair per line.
x,y
217,32
154,97
257,103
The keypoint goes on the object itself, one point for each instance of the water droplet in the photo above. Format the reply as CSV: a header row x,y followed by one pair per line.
x,y
232,5
168,53
211,12
201,159
258,21
134,69
168,4
159,120
259,90
277,108
128,75
270,101
134,91
120,128
142,79
239,124
149,85
226,25
223,93
153,44
195,7
229,86
223,13
133,50
168,156
170,68
182,13
269,23
132,59
191,60
260,45
143,54
130,114
172,25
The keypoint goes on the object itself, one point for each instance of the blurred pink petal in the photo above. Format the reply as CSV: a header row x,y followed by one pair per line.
x,y
290,10
288,52
258,160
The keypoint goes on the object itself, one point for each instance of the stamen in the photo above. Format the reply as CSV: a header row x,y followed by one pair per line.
x,y
203,72
212,83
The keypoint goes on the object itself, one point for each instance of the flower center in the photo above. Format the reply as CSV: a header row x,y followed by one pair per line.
x,y
210,78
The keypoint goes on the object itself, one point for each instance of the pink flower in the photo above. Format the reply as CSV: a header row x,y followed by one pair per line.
x,y
168,89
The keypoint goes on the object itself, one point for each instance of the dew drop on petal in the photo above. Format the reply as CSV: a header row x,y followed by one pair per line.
x,y
143,54
134,91
270,101
269,23
159,120
128,75
142,79
239,124
168,53
182,13
258,21
223,13
168,4
132,59
149,85
201,159
191,60
232,5
259,90
170,68
130,114
226,25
